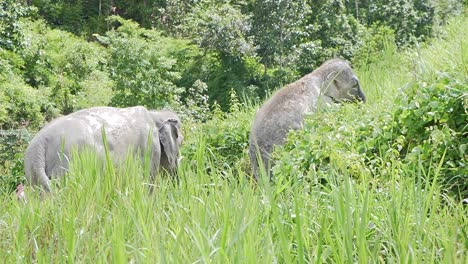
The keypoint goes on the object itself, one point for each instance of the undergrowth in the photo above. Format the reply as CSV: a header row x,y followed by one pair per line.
x,y
361,183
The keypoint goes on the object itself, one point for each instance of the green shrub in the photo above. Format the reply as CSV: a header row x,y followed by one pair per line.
x,y
196,107
143,65
20,104
11,36
63,67
432,120
377,41
96,90
412,20
225,136
220,28
12,146
330,139
444,9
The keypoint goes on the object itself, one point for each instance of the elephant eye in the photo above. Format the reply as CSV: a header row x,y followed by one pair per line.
x,y
355,82
337,85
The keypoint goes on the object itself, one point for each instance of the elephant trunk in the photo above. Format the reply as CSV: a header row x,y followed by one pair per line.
x,y
360,95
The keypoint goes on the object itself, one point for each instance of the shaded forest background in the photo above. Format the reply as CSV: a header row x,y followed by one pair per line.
x,y
197,57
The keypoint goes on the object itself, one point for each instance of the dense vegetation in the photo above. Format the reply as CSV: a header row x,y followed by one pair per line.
x,y
252,47
378,182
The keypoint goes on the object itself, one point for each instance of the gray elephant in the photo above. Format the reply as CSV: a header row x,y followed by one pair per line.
x,y
126,129
333,82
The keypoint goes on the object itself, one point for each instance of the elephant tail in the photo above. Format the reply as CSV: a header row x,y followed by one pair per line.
x,y
34,165
43,178
253,159
259,158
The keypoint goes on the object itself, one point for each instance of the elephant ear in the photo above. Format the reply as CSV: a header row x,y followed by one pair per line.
x,y
330,88
170,139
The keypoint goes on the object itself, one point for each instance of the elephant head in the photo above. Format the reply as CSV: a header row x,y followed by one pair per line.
x,y
342,85
170,138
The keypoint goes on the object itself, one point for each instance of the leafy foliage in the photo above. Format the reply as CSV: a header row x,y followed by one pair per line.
x,y
225,136
277,28
59,65
338,34
20,104
261,43
223,32
11,36
75,16
141,66
196,103
432,124
377,40
443,9
408,18
12,145
222,29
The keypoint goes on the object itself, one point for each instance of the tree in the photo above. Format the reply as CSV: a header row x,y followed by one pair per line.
x,y
222,29
337,29
172,15
223,32
11,36
410,19
277,28
141,66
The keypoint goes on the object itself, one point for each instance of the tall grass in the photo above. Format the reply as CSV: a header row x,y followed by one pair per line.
x,y
100,213
100,216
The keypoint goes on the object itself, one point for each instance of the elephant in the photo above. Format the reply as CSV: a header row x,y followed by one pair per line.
x,y
333,82
134,129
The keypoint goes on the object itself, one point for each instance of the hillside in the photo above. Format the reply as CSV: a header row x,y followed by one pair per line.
x,y
378,182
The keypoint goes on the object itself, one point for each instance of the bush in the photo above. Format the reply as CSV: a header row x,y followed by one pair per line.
x,y
332,139
11,36
61,66
20,104
12,145
143,65
412,20
444,9
339,31
96,90
196,107
225,136
432,124
377,41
